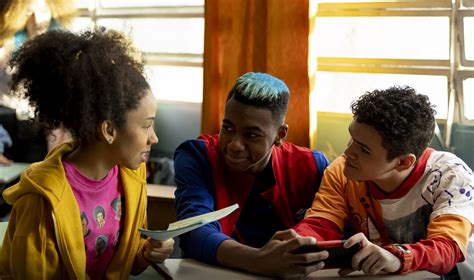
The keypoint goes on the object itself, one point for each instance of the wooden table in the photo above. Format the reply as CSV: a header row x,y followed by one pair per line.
x,y
184,269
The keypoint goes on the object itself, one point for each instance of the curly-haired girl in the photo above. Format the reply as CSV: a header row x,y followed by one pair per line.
x,y
91,84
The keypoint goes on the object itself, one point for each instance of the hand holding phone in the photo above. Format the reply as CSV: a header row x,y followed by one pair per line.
x,y
339,256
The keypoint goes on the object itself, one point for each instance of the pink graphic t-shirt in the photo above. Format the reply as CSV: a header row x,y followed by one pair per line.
x,y
100,204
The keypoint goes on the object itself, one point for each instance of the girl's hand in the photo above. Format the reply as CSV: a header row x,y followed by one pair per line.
x,y
157,250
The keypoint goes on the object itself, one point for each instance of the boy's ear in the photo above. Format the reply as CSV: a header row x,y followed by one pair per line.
x,y
107,131
281,135
405,162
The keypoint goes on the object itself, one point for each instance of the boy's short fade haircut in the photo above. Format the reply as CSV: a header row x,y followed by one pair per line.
x,y
404,119
263,91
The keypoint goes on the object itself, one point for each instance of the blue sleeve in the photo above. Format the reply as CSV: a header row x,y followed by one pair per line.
x,y
5,139
195,196
321,163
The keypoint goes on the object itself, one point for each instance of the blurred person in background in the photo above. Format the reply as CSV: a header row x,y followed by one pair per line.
x,y
20,21
5,140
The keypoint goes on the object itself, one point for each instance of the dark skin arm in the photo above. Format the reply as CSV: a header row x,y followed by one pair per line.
x,y
275,258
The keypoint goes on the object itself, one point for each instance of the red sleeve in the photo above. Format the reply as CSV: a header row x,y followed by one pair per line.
x,y
438,255
319,228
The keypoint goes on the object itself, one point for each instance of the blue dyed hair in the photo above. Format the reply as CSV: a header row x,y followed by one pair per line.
x,y
263,91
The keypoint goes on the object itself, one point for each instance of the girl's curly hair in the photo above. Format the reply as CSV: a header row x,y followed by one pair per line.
x,y
79,80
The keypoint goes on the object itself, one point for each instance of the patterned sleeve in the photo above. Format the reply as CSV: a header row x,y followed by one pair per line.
x,y
450,191
451,187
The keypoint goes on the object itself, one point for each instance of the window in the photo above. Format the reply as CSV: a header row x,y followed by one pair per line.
x,y
348,86
468,86
169,33
469,37
359,46
383,37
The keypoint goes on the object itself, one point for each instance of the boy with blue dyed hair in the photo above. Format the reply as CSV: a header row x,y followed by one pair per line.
x,y
249,163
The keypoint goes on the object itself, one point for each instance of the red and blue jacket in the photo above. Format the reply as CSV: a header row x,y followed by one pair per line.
x,y
203,186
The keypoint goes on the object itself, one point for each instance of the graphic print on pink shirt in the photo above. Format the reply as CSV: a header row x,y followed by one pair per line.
x,y
117,206
100,244
85,225
100,203
99,216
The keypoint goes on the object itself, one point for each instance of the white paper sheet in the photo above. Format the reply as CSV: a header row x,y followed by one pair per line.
x,y
183,226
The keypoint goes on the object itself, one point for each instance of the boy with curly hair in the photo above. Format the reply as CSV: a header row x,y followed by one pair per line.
x,y
410,206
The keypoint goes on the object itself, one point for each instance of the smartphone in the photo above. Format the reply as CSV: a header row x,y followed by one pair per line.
x,y
339,256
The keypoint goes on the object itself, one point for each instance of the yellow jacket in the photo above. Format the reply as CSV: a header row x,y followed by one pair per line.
x,y
44,236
